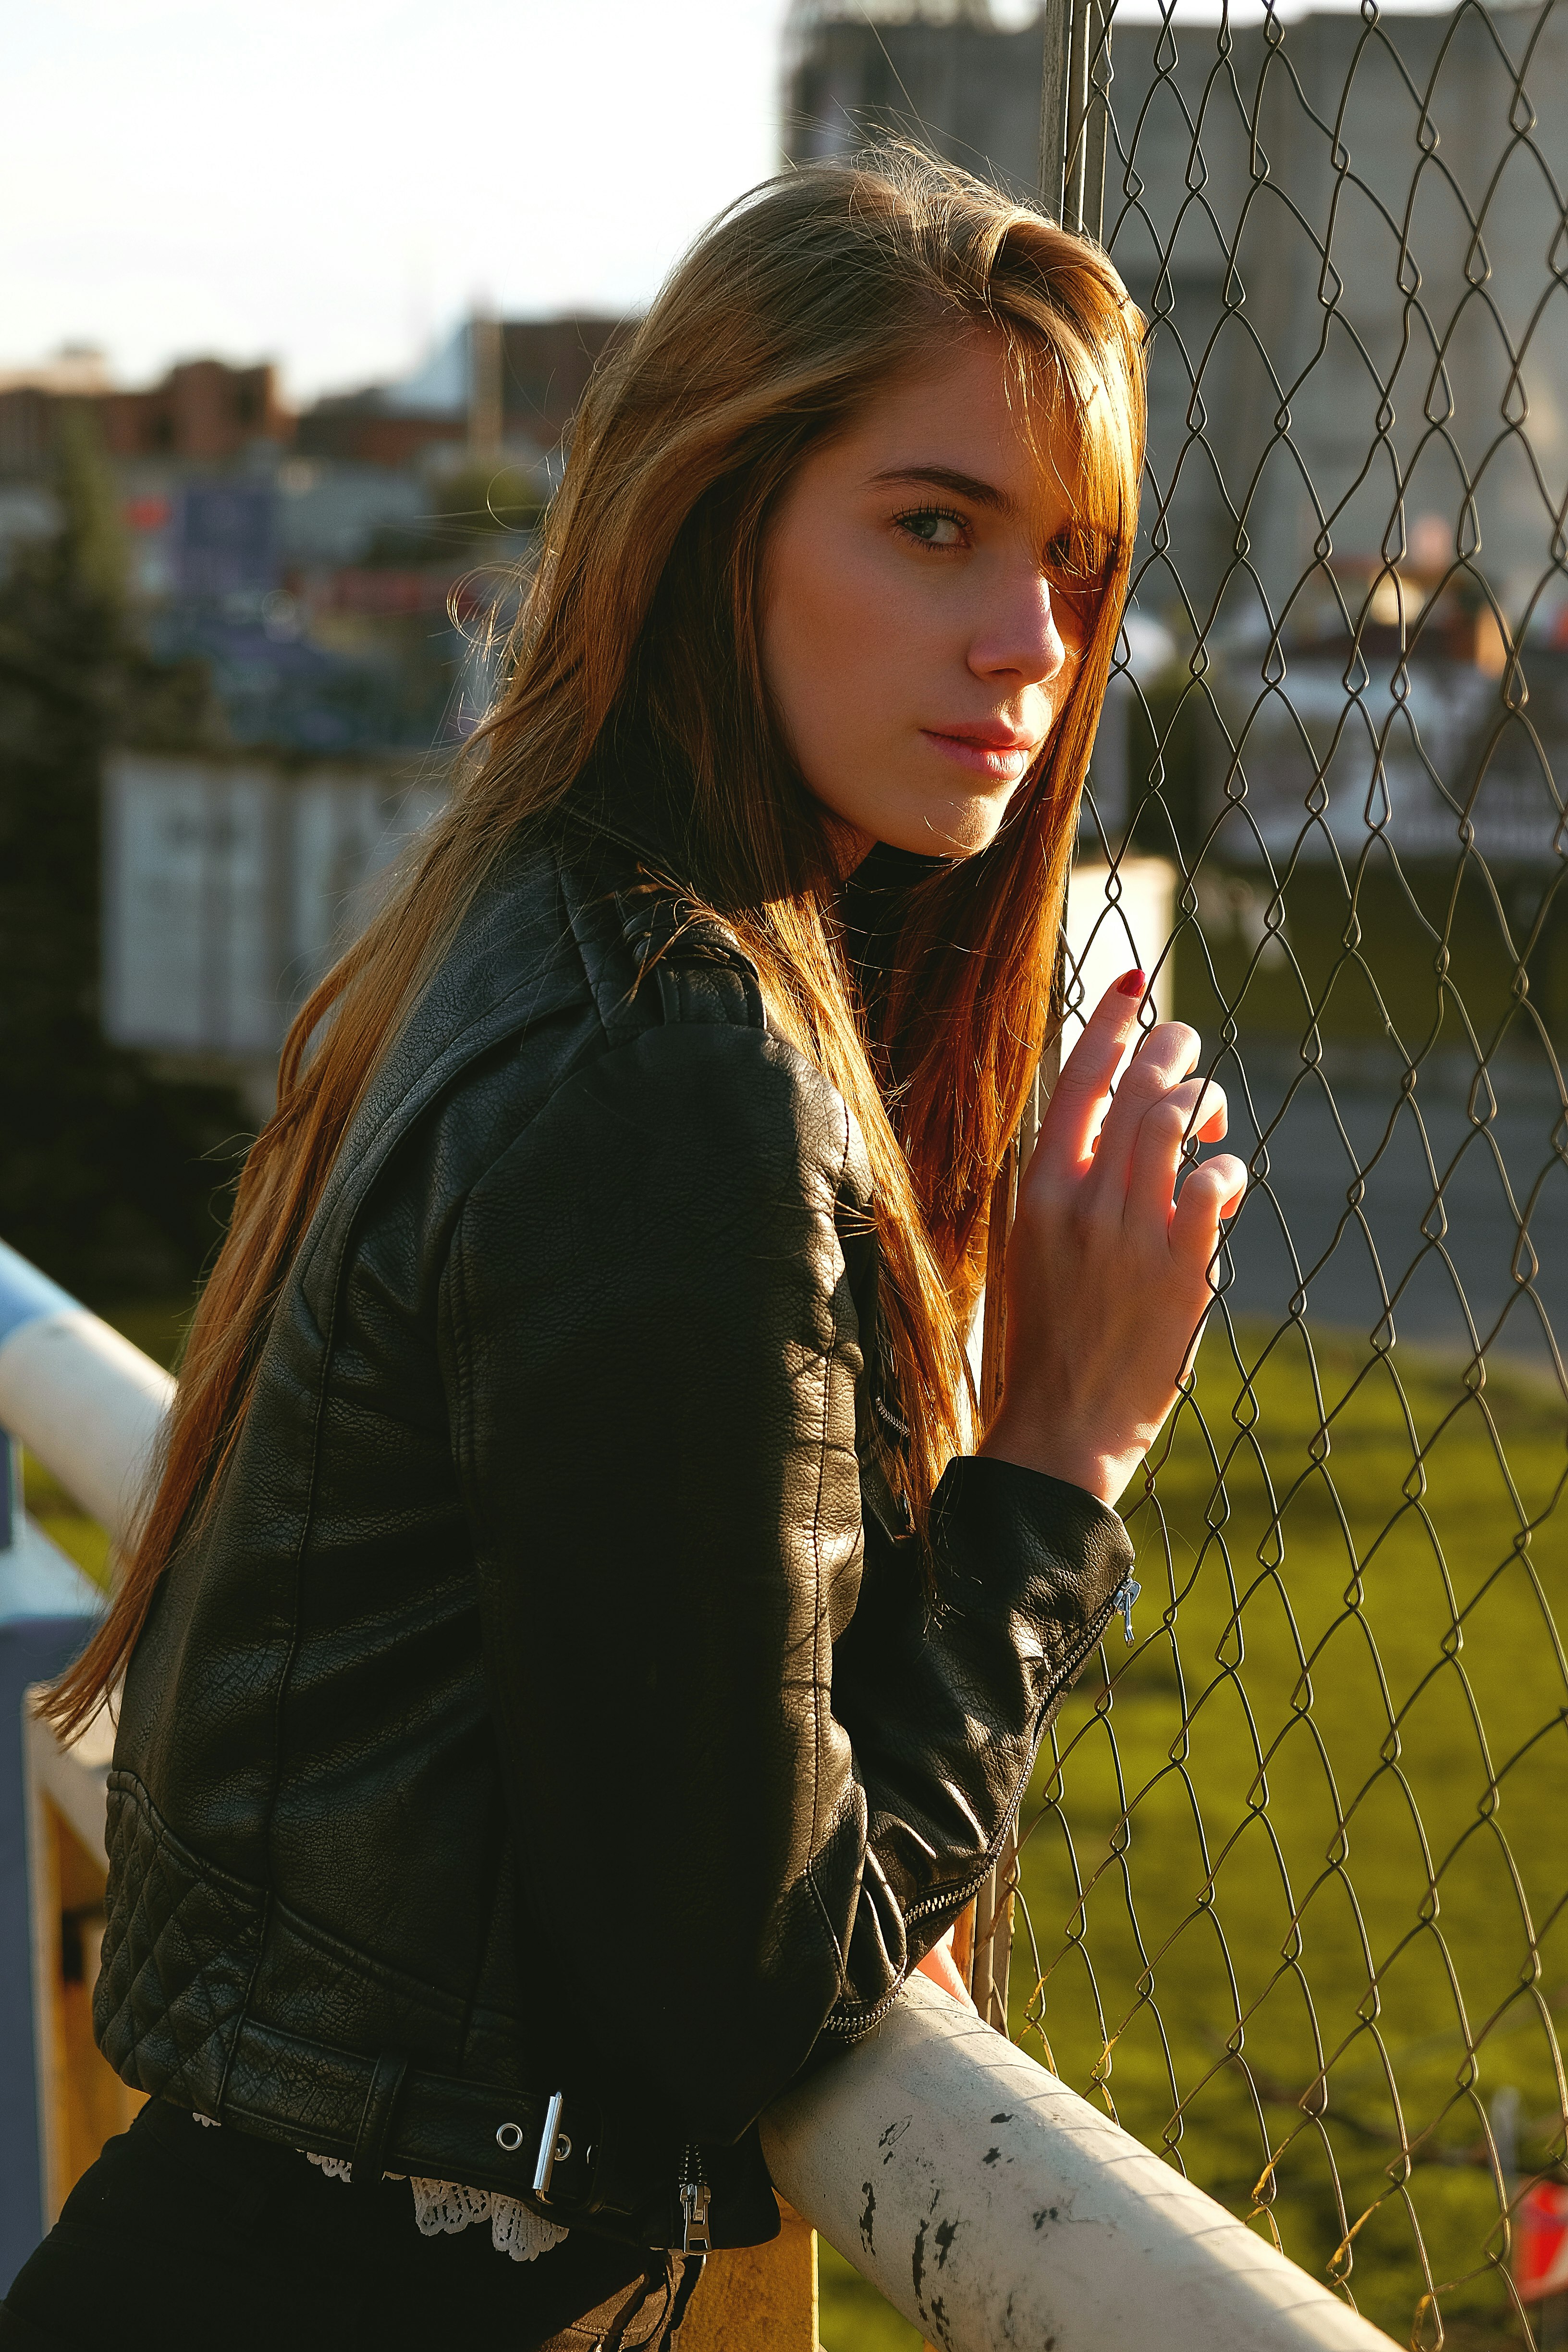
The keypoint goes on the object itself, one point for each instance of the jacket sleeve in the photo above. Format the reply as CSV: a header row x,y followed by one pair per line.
x,y
946,1705
651,1352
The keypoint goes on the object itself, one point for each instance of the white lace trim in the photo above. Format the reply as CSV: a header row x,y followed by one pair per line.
x,y
446,2206
442,2208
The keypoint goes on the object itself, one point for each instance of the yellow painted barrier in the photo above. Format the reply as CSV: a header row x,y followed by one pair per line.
x,y
759,2298
84,2102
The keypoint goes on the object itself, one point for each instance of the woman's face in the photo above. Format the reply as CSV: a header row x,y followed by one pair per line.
x,y
915,650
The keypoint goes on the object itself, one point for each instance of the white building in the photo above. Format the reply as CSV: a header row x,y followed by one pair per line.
x,y
228,888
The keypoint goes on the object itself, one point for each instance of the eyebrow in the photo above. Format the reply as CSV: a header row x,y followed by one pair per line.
x,y
961,486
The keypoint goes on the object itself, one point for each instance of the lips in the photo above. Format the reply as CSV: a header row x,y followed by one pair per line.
x,y
989,750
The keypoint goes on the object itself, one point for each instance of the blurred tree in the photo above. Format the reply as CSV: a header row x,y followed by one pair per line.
x,y
109,1175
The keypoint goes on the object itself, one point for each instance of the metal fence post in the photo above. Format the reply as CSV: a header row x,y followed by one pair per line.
x,y
1074,112
1074,122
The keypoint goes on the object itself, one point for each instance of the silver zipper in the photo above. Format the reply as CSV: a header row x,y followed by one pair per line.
x,y
694,2196
1126,1594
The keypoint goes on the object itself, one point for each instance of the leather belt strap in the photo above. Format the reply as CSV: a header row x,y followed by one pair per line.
x,y
386,2116
375,2119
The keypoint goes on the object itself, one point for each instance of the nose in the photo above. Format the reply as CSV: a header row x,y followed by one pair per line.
x,y
1016,637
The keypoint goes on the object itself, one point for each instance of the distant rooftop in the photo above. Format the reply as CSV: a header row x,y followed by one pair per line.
x,y
80,369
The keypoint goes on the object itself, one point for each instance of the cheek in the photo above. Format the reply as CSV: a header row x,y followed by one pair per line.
x,y
829,638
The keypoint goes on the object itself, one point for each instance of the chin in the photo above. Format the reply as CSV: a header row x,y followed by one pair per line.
x,y
949,832
930,826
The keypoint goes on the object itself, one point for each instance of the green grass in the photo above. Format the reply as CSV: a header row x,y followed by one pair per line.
x,y
1364,966
852,2317
56,1512
1303,1853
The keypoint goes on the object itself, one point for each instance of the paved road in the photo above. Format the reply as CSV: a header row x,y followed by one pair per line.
x,y
1312,1166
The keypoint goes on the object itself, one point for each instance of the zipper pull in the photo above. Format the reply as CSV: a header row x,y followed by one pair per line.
x,y
694,2195
694,2212
1122,1599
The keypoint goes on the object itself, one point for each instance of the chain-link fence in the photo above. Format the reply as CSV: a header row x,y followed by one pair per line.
x,y
1290,1896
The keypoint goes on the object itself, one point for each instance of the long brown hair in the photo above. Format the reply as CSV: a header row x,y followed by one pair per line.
x,y
643,615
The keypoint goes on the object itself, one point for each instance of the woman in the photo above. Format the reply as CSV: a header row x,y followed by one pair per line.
x,y
574,1666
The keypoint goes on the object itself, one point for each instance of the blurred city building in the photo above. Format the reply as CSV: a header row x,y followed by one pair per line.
x,y
942,72
341,578
334,570
496,383
202,409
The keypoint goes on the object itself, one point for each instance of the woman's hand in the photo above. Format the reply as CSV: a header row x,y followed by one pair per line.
x,y
1108,1272
943,1969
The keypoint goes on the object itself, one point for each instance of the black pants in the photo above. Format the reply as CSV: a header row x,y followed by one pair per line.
x,y
179,2238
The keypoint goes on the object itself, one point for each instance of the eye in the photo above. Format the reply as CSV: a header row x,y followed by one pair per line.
x,y
935,527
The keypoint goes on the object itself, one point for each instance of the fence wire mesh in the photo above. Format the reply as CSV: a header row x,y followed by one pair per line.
x,y
1291,1893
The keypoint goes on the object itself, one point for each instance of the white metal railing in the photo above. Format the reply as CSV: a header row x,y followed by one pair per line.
x,y
87,1402
995,2206
988,2201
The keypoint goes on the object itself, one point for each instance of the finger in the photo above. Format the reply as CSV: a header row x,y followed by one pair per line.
x,y
1073,1116
1210,1120
1191,1109
1207,1107
939,1966
1171,1048
1211,1193
1161,1062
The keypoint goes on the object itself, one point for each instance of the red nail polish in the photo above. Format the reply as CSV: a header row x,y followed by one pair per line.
x,y
1133,983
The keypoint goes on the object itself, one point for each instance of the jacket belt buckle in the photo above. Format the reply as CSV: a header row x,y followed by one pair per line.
x,y
553,2144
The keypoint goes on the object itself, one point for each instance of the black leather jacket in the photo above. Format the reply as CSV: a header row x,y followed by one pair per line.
x,y
549,1701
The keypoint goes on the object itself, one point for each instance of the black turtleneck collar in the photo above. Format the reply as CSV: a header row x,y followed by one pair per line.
x,y
871,909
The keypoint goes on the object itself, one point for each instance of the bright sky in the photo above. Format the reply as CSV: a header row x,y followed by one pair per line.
x,y
332,183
